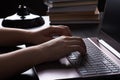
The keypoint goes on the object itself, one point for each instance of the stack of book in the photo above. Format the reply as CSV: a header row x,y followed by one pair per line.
x,y
73,11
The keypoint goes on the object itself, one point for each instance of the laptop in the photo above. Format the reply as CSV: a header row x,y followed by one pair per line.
x,y
102,61
99,62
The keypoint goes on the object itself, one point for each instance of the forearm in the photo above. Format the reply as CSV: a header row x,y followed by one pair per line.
x,y
11,37
18,61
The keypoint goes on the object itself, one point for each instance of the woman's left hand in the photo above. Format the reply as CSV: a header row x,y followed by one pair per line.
x,y
48,33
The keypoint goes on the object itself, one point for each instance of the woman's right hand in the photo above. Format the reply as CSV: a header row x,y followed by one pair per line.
x,y
60,47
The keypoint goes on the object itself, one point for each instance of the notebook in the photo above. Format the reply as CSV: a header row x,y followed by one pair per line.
x,y
102,61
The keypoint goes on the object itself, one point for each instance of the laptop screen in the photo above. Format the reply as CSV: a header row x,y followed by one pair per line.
x,y
111,18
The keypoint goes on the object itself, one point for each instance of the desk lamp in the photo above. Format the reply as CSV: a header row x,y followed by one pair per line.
x,y
22,19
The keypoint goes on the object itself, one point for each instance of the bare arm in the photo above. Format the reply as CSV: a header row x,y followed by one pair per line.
x,y
18,61
12,36
51,49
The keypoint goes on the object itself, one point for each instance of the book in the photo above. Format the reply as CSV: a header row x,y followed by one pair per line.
x,y
77,17
76,22
80,8
72,17
68,0
73,3
74,11
84,13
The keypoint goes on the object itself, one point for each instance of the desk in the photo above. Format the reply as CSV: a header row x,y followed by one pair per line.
x,y
82,30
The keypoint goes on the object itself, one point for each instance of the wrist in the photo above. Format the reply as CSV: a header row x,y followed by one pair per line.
x,y
27,37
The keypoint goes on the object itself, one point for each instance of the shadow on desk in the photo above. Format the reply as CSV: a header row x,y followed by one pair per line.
x,y
27,75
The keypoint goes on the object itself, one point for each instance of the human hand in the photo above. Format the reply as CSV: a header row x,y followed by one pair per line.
x,y
60,47
45,34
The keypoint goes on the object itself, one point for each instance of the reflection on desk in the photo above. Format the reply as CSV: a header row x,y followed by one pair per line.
x,y
55,70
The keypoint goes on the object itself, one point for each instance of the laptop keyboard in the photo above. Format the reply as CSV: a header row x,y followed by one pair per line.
x,y
95,62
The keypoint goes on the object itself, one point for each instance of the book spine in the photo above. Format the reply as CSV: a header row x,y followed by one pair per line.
x,y
79,8
69,0
74,18
73,3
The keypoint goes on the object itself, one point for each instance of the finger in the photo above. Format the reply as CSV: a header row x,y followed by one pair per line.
x,y
79,48
83,45
73,38
76,40
81,42
61,30
73,42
